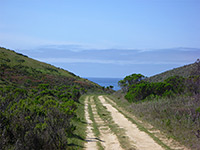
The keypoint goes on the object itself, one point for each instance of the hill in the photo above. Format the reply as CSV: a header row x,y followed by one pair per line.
x,y
38,103
170,101
21,70
184,71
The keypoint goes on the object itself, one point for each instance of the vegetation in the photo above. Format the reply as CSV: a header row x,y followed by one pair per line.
x,y
77,140
123,106
137,87
41,108
39,104
147,90
17,69
130,80
38,118
170,103
185,71
95,126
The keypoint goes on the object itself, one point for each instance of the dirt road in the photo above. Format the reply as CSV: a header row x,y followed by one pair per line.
x,y
107,137
91,139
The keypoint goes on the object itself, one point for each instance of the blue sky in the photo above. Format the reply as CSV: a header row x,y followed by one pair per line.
x,y
88,37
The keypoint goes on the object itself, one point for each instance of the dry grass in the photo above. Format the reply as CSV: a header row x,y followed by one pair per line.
x,y
184,71
178,117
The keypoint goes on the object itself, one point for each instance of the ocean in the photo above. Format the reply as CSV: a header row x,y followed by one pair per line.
x,y
106,82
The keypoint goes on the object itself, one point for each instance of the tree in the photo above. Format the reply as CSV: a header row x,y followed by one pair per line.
x,y
130,80
111,87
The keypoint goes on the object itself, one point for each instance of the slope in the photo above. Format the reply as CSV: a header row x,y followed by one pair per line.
x,y
20,69
39,104
185,71
170,101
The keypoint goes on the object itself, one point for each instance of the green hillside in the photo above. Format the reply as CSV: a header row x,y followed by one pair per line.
x,y
170,101
39,104
19,69
184,71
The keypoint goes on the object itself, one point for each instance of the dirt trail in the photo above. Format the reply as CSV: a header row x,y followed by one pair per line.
x,y
140,139
107,139
90,139
137,139
169,142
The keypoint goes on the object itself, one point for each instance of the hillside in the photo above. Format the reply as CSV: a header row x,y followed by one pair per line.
x,y
170,101
39,104
21,70
184,71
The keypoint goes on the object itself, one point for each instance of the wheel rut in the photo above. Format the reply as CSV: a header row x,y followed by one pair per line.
x,y
139,139
107,139
91,140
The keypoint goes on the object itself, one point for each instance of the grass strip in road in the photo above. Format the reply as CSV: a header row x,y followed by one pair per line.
x,y
107,118
94,124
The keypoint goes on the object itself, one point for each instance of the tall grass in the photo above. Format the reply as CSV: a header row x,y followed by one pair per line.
x,y
178,117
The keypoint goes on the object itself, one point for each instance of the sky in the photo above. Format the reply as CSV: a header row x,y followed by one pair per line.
x,y
104,38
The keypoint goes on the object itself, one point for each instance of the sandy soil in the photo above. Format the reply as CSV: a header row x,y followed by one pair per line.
x,y
90,139
107,139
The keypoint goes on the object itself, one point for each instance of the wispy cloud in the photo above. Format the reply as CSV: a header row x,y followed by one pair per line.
x,y
68,54
113,62
98,61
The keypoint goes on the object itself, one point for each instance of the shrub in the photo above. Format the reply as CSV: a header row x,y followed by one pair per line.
x,y
142,90
36,118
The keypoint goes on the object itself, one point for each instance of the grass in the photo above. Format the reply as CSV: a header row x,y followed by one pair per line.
x,y
11,58
94,124
184,71
176,117
139,125
16,59
78,139
25,75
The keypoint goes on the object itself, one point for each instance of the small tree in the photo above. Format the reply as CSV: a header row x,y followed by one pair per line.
x,y
130,80
111,87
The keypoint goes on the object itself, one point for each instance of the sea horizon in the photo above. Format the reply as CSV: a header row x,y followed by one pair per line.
x,y
106,81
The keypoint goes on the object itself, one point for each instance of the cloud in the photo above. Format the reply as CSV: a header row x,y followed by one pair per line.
x,y
63,54
113,62
74,60
77,54
101,61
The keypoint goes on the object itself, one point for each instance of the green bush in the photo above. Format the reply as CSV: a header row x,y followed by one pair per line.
x,y
37,118
141,90
130,81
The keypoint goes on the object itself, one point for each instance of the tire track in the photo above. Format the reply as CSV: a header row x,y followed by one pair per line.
x,y
107,139
169,142
140,139
91,141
